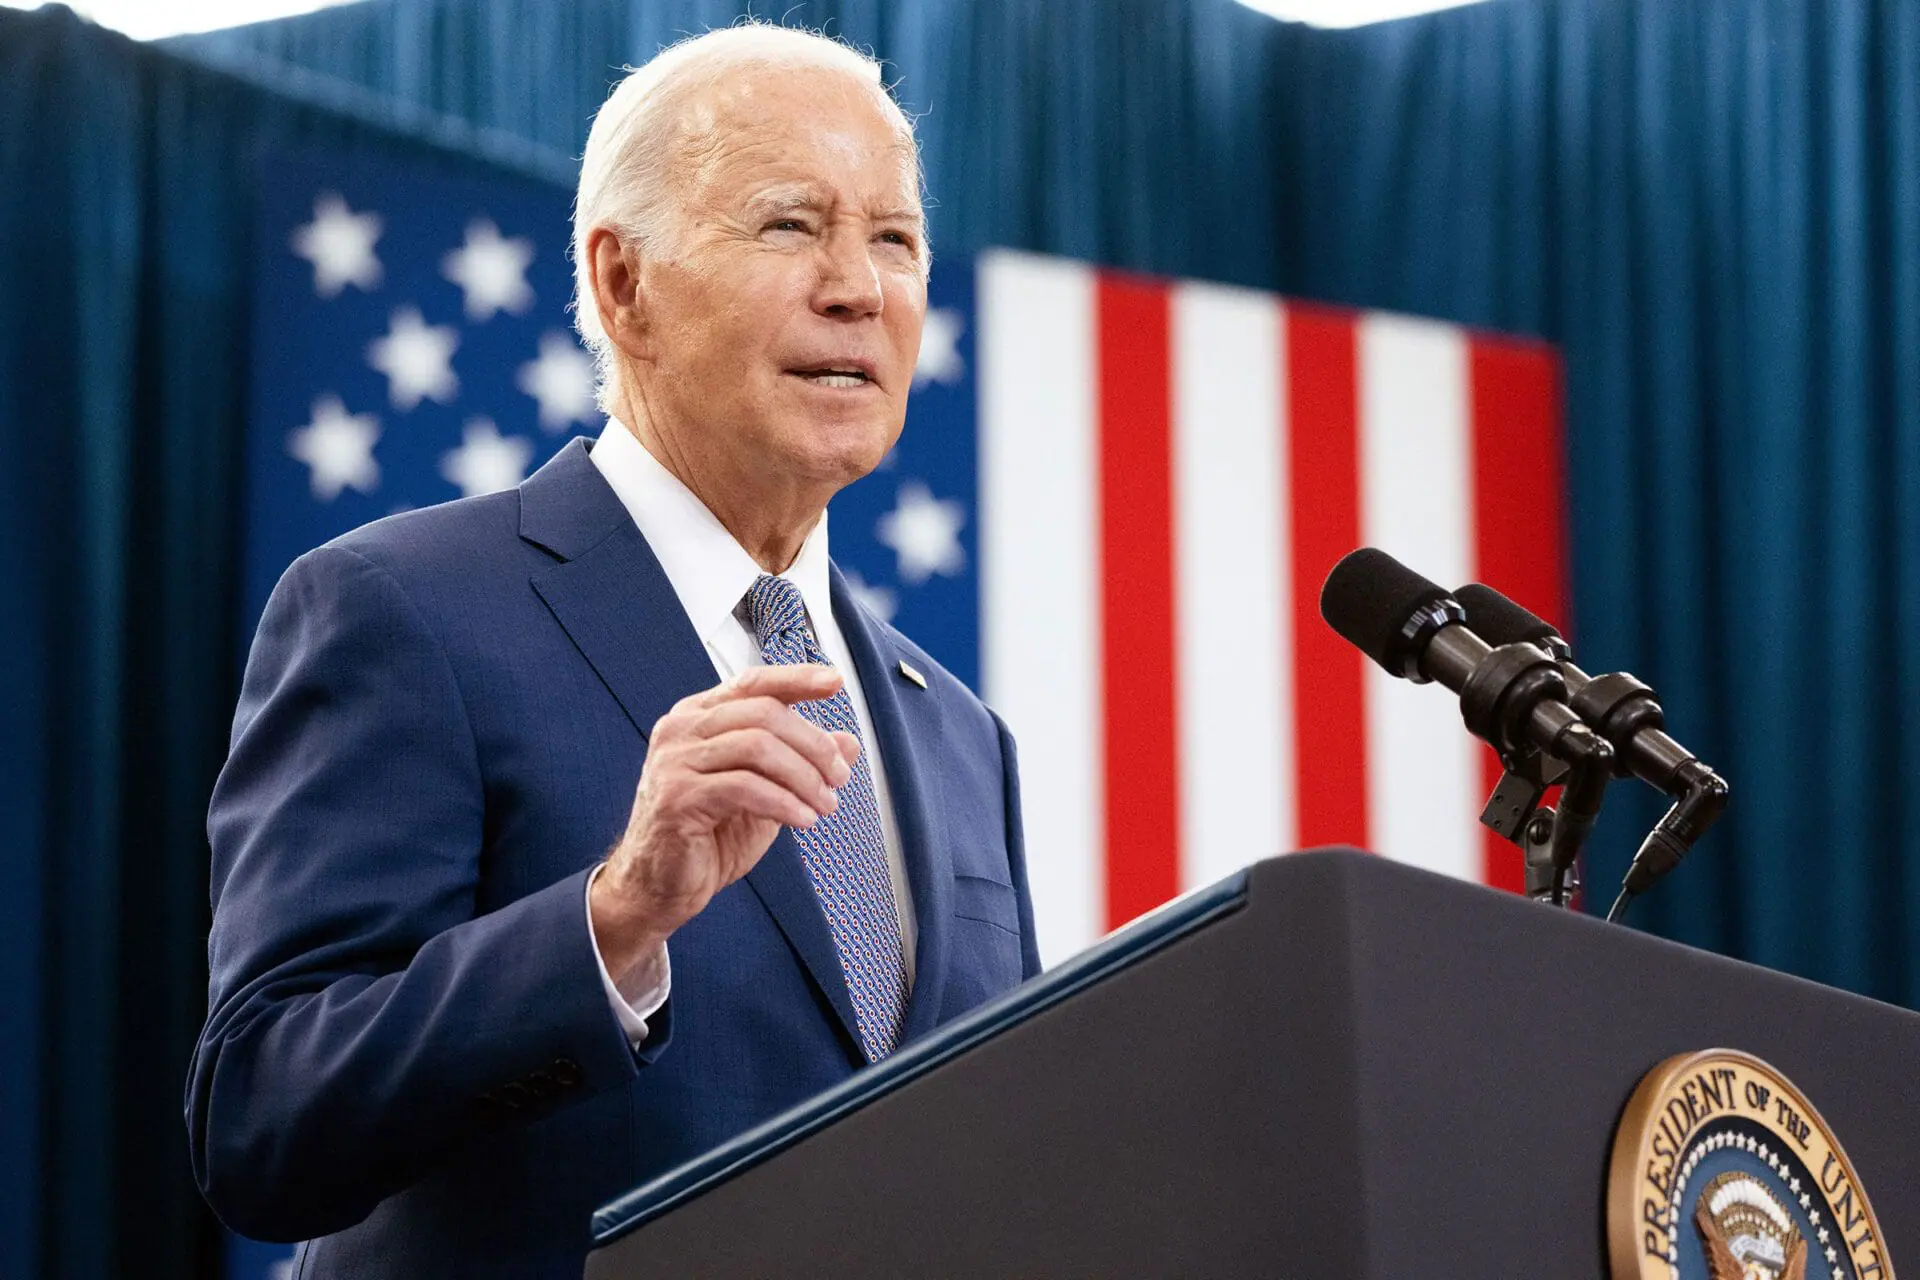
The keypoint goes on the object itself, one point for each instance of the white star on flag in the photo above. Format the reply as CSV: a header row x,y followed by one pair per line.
x,y
339,244
417,358
940,348
561,380
924,531
486,461
337,447
491,271
877,601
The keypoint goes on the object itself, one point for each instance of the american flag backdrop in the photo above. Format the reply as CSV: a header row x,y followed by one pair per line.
x,y
1167,472
411,345
1111,511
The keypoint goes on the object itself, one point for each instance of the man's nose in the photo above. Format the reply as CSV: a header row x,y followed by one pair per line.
x,y
849,281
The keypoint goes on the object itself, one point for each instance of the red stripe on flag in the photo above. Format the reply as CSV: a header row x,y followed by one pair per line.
x,y
1137,596
1323,413
1519,534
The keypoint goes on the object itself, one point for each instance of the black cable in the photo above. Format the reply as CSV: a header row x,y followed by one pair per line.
x,y
1619,906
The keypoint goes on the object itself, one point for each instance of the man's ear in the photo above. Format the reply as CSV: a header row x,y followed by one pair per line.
x,y
615,270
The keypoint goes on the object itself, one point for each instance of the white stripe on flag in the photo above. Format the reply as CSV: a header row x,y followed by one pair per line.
x,y
1416,500
1234,631
1040,575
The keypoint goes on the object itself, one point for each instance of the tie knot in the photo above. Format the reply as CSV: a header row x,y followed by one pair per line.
x,y
774,606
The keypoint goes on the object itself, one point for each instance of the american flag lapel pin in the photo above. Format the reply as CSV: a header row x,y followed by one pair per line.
x,y
908,670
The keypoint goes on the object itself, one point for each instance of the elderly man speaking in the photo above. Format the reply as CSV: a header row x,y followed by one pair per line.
x,y
569,831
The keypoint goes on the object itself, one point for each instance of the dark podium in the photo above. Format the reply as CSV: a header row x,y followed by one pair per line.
x,y
1328,1066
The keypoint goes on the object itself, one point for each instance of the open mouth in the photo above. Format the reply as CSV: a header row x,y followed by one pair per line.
x,y
831,377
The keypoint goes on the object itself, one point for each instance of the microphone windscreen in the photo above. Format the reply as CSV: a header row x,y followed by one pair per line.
x,y
1498,620
1368,599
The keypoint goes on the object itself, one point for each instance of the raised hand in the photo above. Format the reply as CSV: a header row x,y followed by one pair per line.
x,y
725,770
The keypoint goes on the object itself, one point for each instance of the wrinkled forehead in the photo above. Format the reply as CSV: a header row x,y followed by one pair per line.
x,y
794,127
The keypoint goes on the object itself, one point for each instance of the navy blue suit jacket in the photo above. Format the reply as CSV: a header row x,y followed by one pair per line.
x,y
409,1059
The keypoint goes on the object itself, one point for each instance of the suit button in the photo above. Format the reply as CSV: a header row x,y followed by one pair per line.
x,y
566,1072
541,1085
513,1096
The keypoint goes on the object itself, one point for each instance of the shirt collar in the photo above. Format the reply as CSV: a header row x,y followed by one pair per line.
x,y
707,568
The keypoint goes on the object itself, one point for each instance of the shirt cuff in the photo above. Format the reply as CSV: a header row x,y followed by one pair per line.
x,y
651,984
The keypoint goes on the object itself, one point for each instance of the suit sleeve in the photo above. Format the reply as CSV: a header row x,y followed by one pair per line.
x,y
1017,848
363,1020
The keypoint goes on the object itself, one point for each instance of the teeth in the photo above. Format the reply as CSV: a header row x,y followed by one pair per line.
x,y
836,379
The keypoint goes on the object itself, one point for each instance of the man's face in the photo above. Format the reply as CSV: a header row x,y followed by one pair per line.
x,y
783,334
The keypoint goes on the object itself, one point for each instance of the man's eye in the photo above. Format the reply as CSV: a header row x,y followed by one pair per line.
x,y
786,224
897,237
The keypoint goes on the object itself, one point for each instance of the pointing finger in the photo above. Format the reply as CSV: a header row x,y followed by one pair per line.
x,y
800,682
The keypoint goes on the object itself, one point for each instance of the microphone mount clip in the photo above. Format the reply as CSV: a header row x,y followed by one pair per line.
x,y
1498,699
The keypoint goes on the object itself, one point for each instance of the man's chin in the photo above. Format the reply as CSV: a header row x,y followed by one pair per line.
x,y
840,453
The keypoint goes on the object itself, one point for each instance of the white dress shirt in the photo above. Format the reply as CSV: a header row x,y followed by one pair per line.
x,y
711,573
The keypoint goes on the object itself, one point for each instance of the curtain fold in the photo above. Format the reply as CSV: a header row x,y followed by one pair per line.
x,y
126,216
1140,133
1712,210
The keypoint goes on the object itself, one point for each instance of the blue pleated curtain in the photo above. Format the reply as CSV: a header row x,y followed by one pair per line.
x,y
126,214
1713,209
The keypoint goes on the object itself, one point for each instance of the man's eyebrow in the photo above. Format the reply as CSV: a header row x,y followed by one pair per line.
x,y
789,195
799,195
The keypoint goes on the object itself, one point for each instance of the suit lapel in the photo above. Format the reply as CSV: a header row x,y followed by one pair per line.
x,y
781,880
904,717
614,601
608,592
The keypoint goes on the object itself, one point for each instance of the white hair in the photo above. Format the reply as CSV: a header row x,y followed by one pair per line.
x,y
648,127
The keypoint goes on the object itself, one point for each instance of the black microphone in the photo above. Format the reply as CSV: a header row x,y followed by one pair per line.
x,y
1512,695
1626,712
1493,615
1620,708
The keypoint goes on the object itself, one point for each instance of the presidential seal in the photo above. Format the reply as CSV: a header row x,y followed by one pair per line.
x,y
1722,1170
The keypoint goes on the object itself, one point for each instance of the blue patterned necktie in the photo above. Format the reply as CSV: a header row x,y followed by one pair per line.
x,y
845,856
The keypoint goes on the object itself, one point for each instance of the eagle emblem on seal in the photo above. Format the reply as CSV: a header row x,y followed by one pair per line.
x,y
1746,1233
